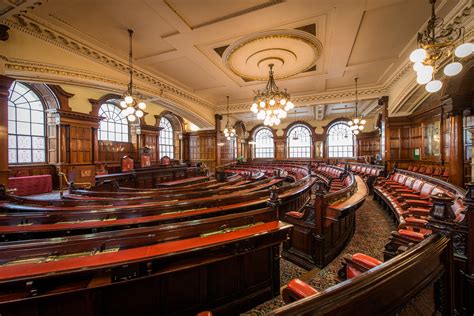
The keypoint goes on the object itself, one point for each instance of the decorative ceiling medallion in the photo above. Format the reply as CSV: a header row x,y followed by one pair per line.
x,y
290,51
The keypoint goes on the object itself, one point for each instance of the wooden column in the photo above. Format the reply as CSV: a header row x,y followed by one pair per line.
x,y
385,149
5,83
219,138
471,130
456,158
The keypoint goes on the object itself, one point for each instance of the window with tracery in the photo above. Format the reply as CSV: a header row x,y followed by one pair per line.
x,y
299,142
166,138
26,126
264,146
114,126
340,141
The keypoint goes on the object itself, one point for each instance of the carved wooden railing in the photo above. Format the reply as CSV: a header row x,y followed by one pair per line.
x,y
384,290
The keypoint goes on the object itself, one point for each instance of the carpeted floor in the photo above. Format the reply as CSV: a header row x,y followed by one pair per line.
x,y
373,227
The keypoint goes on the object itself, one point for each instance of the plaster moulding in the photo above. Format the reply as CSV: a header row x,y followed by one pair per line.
x,y
319,98
33,71
35,27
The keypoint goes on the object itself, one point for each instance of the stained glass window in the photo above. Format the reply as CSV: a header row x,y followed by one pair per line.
x,y
299,142
264,147
114,126
26,126
340,141
166,139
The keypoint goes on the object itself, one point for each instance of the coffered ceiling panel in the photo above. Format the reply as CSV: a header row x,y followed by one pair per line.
x,y
205,12
183,70
384,31
106,22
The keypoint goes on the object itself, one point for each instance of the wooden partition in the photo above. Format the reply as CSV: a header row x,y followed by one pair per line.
x,y
201,147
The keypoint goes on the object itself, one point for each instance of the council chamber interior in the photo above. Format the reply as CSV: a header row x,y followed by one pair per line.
x,y
250,157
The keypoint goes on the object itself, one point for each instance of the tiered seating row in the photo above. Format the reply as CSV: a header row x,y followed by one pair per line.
x,y
436,171
409,196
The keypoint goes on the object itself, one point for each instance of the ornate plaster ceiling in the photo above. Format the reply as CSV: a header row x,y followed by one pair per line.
x,y
290,51
209,49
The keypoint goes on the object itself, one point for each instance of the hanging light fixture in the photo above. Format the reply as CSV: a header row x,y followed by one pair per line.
x,y
296,136
436,43
252,142
357,123
132,106
271,105
229,130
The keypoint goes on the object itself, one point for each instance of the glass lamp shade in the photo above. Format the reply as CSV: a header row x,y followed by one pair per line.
x,y
142,105
277,121
356,121
131,110
123,104
464,50
361,127
128,99
139,113
363,121
255,110
356,132
290,104
434,86
226,130
418,55
262,104
261,115
254,105
423,78
228,137
452,69
132,118
426,70
350,123
417,66
272,102
282,101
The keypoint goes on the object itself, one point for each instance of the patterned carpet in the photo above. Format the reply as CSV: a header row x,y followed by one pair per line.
x,y
373,227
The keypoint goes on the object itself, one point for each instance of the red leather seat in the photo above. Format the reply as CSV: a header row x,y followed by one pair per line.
x,y
411,234
296,290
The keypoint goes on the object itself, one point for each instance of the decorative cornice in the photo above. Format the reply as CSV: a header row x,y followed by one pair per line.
x,y
313,98
39,29
27,70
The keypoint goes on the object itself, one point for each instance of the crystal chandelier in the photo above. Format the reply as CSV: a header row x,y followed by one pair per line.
x,y
271,105
357,123
436,43
229,130
132,106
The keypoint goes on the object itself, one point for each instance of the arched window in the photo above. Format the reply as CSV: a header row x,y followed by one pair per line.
x,y
264,146
114,126
26,126
340,141
299,142
166,138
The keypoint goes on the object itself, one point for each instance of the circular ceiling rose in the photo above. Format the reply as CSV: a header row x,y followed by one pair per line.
x,y
290,51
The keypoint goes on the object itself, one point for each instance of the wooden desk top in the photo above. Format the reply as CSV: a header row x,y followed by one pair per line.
x,y
360,194
134,254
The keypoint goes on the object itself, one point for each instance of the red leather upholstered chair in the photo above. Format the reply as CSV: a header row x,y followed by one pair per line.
x,y
127,164
429,170
438,171
165,161
445,175
410,168
422,169
296,290
359,263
